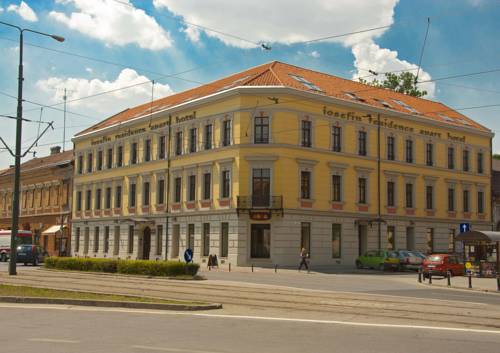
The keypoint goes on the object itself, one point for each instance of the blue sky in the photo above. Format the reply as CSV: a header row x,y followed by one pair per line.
x,y
150,38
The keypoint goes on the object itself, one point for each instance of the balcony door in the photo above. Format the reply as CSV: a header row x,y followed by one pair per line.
x,y
261,187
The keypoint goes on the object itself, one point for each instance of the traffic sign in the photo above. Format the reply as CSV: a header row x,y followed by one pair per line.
x,y
464,227
188,255
468,265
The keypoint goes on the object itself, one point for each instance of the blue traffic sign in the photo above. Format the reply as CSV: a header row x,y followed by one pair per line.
x,y
464,227
188,255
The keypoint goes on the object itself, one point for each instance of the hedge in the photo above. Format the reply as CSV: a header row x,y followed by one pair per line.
x,y
132,267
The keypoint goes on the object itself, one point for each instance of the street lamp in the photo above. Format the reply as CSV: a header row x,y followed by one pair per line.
x,y
17,155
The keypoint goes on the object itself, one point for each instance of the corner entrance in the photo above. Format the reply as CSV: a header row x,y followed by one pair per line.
x,y
146,243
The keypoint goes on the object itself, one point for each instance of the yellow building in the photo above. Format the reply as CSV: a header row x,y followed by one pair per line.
x,y
255,166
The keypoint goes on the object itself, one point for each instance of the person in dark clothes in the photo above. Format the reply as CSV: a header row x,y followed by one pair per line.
x,y
303,259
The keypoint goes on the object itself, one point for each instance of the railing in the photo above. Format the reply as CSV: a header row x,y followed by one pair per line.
x,y
269,202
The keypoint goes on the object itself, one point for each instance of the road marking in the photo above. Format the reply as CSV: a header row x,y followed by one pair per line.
x,y
249,317
161,349
52,340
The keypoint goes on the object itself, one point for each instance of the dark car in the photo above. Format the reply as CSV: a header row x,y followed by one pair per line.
x,y
441,264
33,254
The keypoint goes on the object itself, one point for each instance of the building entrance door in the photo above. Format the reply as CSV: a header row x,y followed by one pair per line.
x,y
146,243
260,241
362,239
261,187
410,238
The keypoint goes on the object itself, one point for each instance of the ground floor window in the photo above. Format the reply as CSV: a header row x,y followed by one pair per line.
x,y
224,235
175,240
130,249
451,240
77,239
190,237
159,239
305,237
106,239
96,239
430,240
391,238
336,240
261,241
206,239
116,241
86,241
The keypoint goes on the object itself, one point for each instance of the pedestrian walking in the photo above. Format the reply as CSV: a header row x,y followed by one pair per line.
x,y
303,259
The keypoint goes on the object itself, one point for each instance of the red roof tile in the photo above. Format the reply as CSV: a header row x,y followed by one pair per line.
x,y
42,162
280,74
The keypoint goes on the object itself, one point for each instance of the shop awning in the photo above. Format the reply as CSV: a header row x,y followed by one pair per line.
x,y
53,229
475,235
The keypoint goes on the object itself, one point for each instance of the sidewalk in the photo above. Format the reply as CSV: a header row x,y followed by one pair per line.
x,y
462,282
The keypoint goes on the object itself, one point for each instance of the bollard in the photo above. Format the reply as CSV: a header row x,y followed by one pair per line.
x,y
448,277
430,278
252,267
470,281
229,267
275,268
419,276
498,283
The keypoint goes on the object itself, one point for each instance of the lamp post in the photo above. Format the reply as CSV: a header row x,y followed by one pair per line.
x,y
17,154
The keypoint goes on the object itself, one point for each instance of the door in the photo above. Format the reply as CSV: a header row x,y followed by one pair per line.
x,y
260,241
410,238
261,187
146,243
362,239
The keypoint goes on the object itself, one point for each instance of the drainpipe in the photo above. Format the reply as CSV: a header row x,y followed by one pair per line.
x,y
379,230
168,184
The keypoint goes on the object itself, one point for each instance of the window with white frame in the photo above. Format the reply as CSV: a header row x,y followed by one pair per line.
x,y
391,148
336,188
160,192
191,187
409,150
261,129
362,190
306,133
226,132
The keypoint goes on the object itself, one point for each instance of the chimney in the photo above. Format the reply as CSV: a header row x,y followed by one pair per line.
x,y
55,150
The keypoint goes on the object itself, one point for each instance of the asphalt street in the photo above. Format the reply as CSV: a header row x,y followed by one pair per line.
x,y
66,329
370,282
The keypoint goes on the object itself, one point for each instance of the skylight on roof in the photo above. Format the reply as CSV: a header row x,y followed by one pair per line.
x,y
354,96
305,82
406,106
465,122
383,102
445,117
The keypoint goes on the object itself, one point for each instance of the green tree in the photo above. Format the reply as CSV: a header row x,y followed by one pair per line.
x,y
496,156
402,83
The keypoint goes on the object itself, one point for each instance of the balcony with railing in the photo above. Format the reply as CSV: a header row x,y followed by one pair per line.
x,y
270,203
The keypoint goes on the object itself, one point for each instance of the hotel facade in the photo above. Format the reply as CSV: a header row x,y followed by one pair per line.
x,y
255,166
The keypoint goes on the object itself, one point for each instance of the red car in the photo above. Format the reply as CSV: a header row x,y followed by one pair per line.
x,y
440,264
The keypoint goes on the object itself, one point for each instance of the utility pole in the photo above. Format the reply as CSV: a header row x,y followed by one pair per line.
x,y
17,153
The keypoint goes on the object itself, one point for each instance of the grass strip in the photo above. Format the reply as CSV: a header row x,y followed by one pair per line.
x,y
26,291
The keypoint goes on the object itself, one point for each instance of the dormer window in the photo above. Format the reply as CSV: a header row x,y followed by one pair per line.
x,y
406,106
383,102
354,96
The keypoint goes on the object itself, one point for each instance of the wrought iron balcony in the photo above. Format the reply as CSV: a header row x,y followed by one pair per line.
x,y
259,202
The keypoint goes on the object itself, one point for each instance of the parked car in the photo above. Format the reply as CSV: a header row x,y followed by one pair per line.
x,y
440,264
28,253
409,260
378,259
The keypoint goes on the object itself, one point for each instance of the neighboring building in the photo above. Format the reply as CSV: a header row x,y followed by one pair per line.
x,y
255,166
46,188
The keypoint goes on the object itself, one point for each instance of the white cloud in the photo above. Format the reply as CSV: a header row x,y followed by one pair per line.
x,y
193,33
315,54
1,9
24,11
89,70
283,21
289,21
369,55
114,23
105,104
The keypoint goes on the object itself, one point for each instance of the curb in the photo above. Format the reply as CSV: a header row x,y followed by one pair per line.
x,y
196,277
108,303
488,291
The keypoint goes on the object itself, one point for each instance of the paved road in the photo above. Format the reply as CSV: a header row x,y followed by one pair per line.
x,y
64,329
401,284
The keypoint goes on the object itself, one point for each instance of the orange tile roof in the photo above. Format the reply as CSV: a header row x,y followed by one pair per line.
x,y
279,74
42,162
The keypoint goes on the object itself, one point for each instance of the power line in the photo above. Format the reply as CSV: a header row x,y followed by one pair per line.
x,y
341,35
461,75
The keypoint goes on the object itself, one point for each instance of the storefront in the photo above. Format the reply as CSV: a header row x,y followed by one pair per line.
x,y
481,249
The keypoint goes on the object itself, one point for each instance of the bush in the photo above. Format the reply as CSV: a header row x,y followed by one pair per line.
x,y
132,267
